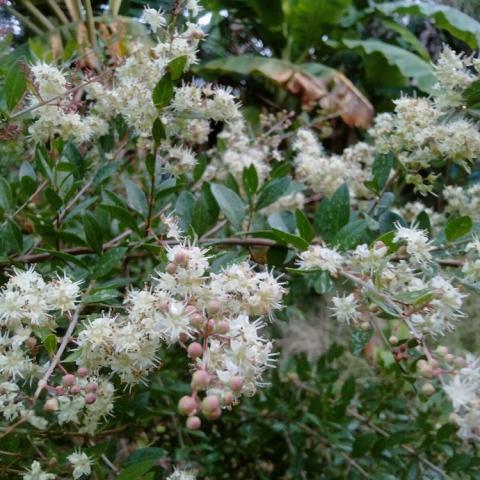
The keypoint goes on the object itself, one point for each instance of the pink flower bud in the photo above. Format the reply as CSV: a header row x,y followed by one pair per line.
x,y
460,362
90,398
236,383
210,403
171,268
197,320
183,337
228,398
193,423
194,350
222,327
214,414
181,258
211,325
75,390
213,307
91,387
60,390
190,309
51,405
187,405
200,380
82,372
68,380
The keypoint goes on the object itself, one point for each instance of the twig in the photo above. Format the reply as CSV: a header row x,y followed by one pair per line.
x,y
61,348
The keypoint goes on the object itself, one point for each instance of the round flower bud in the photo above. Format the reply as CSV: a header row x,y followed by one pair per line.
x,y
210,403
197,320
75,390
90,398
211,325
31,342
222,327
190,310
171,268
393,340
213,307
449,358
214,414
193,423
181,258
51,405
186,405
236,383
183,337
200,380
441,350
428,389
82,372
194,350
68,380
460,362
91,387
228,398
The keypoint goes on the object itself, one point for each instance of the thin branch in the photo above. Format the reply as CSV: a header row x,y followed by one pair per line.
x,y
63,345
58,12
38,15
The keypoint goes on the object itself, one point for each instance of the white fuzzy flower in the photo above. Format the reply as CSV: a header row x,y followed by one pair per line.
x,y
36,473
418,245
345,308
154,18
81,463
323,258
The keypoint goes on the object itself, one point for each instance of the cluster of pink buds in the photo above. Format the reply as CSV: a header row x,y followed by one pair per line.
x,y
71,385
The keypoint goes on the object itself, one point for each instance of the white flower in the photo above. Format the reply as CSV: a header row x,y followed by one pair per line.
x,y
181,475
323,258
36,473
418,245
81,464
154,18
345,308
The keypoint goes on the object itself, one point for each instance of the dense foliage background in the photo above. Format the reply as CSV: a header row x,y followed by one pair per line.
x,y
340,403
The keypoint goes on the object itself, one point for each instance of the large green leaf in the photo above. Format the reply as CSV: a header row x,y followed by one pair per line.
x,y
230,203
446,18
409,65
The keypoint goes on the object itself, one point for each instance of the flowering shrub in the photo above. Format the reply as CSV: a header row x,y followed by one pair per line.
x,y
154,240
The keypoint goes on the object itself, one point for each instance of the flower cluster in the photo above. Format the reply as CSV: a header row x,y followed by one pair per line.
x,y
324,173
422,132
216,317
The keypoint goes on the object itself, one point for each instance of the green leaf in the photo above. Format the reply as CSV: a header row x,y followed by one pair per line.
x,y
144,454
304,226
93,232
28,178
352,234
6,197
363,444
15,85
323,283
457,23
381,168
205,211
50,343
471,95
290,239
66,257
177,66
163,92
458,227
122,215
101,296
272,191
136,197
250,180
359,339
184,209
134,472
409,65
75,158
348,389
158,131
333,214
230,203
108,261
